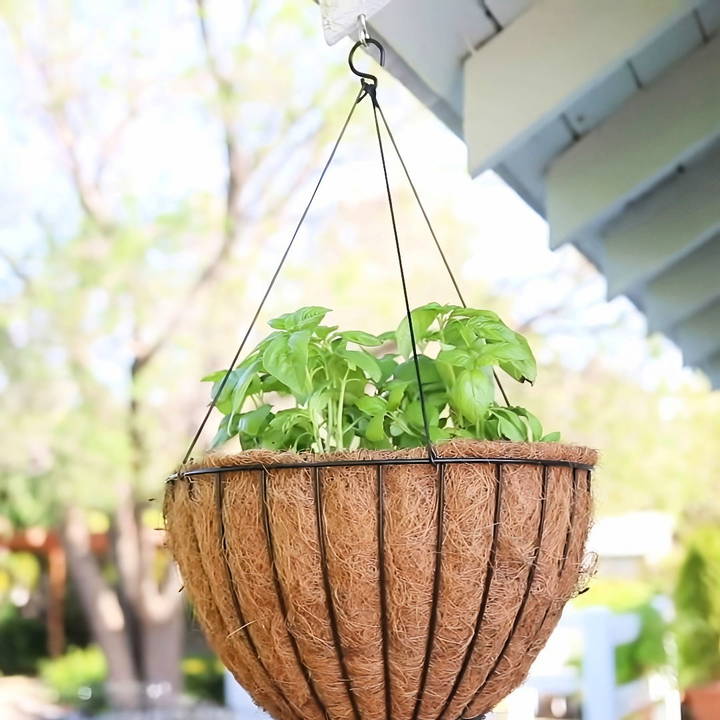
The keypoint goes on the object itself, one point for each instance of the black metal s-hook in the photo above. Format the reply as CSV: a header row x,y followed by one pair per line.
x,y
366,77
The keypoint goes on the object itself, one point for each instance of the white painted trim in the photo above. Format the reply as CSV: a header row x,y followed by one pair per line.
x,y
698,335
684,290
656,231
657,129
340,17
548,58
711,367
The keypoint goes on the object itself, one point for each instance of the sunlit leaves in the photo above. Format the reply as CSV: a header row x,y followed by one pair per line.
x,y
285,358
361,338
471,394
303,319
344,396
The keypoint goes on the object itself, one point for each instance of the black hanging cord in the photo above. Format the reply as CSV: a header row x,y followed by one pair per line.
x,y
368,83
359,97
408,313
432,232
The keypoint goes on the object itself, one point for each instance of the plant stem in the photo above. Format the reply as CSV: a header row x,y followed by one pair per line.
x,y
341,403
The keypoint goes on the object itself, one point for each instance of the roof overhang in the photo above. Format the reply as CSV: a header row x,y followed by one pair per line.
x,y
605,118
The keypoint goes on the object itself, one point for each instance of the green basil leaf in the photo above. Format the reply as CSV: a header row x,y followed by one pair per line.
x,y
536,431
365,361
510,430
361,338
522,371
303,319
491,330
222,435
355,387
322,331
298,344
471,394
465,312
375,430
398,426
428,371
456,357
495,353
388,365
414,416
317,402
223,399
438,434
458,333
251,423
518,419
446,373
244,378
551,437
371,405
396,392
281,358
459,432
422,319
268,384
491,428
523,368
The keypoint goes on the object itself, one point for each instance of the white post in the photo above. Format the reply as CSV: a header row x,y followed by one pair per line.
x,y
522,704
239,702
598,676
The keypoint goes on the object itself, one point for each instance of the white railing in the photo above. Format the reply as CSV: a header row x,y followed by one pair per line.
x,y
600,630
596,632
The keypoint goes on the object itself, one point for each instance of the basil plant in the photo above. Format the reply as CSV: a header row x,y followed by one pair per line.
x,y
312,386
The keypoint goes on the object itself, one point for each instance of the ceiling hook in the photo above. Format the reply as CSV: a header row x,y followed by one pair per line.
x,y
372,79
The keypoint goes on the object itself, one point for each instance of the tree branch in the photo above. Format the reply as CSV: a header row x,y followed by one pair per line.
x,y
99,599
225,91
127,544
88,193
111,143
159,599
15,268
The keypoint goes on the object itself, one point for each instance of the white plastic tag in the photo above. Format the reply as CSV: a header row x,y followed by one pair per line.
x,y
340,17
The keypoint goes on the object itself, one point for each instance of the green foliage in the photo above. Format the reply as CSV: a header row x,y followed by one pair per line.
x,y
23,639
18,569
345,396
647,652
23,642
27,500
78,677
697,601
203,677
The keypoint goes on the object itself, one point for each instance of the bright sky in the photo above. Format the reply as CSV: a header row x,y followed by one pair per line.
x,y
510,252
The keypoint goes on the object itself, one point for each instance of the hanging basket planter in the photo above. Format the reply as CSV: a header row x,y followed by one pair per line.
x,y
404,584
378,584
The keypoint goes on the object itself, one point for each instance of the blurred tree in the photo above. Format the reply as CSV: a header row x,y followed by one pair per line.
x,y
168,140
658,444
697,598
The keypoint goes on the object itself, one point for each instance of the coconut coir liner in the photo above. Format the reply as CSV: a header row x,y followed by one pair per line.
x,y
293,668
